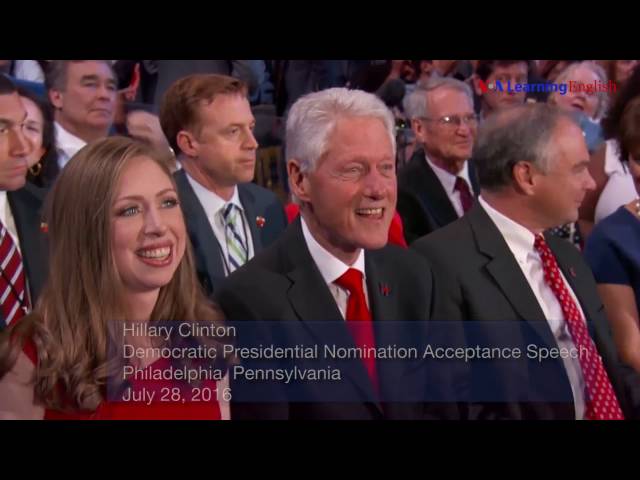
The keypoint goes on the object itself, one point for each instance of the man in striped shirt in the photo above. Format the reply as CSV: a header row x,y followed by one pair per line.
x,y
22,249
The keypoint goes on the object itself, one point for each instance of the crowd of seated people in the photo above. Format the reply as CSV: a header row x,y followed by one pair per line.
x,y
412,203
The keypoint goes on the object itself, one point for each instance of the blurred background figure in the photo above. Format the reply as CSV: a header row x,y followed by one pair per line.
x,y
168,71
614,184
40,131
588,109
593,105
489,71
438,185
619,70
613,249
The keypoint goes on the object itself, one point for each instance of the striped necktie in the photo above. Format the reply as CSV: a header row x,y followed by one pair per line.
x,y
237,252
12,280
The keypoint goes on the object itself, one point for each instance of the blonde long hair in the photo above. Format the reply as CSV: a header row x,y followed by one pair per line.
x,y
81,300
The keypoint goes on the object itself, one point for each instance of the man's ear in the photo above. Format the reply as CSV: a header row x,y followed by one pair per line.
x,y
418,129
56,98
298,180
187,143
524,177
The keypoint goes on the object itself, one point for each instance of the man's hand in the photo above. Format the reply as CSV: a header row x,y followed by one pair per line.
x,y
145,126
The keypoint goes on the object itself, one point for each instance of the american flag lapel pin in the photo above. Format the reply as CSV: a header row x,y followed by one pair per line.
x,y
260,221
44,227
384,289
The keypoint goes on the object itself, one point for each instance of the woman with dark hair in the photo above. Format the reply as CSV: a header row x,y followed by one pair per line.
x,y
39,129
120,267
619,70
608,165
613,249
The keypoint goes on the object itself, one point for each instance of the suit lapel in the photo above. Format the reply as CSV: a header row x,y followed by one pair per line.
x,y
26,205
205,244
248,203
505,271
383,302
432,193
473,176
316,308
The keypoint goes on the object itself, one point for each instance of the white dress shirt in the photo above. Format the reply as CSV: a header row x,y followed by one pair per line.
x,y
6,217
29,70
448,182
213,206
332,268
67,145
520,241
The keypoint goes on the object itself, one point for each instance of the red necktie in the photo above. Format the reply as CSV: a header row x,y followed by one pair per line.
x,y
465,194
602,403
12,283
359,318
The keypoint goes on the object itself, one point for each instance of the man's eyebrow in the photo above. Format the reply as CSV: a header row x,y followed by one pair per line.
x,y
581,164
93,76
7,122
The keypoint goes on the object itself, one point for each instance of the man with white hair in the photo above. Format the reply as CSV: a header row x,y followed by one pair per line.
x,y
332,281
439,184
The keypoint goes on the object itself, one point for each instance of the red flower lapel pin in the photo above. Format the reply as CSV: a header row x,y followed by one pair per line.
x,y
260,221
384,289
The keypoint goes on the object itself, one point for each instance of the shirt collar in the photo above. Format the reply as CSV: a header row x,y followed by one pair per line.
x,y
331,268
67,142
519,239
447,179
210,201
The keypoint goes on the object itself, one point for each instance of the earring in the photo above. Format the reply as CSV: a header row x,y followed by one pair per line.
x,y
36,169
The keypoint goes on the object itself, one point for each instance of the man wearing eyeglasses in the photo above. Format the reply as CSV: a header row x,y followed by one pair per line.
x,y
438,185
511,286
23,261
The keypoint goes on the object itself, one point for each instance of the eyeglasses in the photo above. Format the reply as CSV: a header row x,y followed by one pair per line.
x,y
454,121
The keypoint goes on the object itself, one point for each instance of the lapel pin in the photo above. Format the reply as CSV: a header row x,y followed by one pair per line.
x,y
385,290
44,228
260,221
572,272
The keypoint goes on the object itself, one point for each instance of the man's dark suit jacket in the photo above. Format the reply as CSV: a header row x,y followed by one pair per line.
x,y
478,280
256,201
282,290
423,203
26,207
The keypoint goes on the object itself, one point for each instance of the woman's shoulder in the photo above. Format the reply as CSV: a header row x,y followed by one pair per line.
x,y
24,329
615,228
